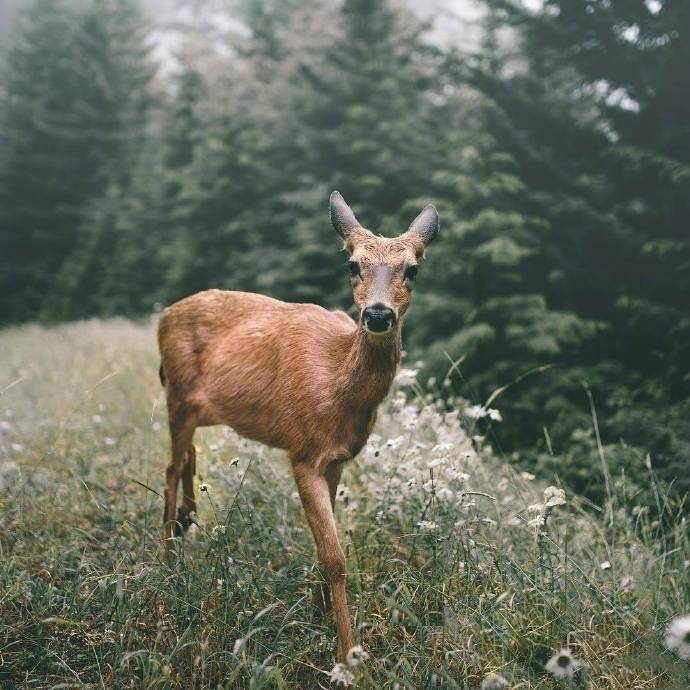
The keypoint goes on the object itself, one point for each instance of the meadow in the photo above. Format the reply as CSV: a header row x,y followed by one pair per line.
x,y
460,565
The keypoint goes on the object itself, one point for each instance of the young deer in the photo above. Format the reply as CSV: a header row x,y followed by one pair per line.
x,y
292,376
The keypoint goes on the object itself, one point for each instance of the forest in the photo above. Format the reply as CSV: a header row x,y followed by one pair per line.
x,y
556,148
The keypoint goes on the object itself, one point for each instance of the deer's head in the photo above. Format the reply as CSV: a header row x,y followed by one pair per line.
x,y
382,269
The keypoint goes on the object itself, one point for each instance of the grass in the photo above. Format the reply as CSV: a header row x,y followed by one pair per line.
x,y
456,566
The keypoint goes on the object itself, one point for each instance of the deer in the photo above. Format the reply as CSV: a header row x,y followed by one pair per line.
x,y
297,377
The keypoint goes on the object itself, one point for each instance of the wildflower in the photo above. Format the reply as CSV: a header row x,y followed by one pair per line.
x,y
563,664
218,531
356,656
494,681
427,525
395,443
476,412
553,496
109,441
606,565
495,415
240,644
204,487
678,637
527,476
341,675
406,377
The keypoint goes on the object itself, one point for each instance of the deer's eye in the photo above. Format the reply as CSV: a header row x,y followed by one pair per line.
x,y
410,273
354,269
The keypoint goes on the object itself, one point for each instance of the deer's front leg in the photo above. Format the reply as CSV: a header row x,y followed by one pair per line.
x,y
314,491
333,471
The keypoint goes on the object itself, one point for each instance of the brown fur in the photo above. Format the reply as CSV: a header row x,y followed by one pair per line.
x,y
292,376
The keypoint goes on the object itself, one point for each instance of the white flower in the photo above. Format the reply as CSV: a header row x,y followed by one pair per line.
x,y
341,675
427,525
553,496
218,531
527,476
476,412
563,664
495,415
406,377
204,487
239,645
494,681
606,565
356,656
678,637
395,443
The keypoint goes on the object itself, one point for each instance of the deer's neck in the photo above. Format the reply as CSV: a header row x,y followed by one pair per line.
x,y
369,366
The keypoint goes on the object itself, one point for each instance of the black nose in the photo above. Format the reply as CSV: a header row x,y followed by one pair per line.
x,y
378,318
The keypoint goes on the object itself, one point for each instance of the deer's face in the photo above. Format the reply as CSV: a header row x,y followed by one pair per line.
x,y
382,270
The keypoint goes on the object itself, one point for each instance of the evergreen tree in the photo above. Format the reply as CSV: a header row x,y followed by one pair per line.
x,y
366,116
74,118
43,184
574,115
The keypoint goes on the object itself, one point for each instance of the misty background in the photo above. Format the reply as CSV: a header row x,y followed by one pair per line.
x,y
148,151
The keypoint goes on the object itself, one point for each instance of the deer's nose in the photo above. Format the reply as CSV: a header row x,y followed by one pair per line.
x,y
378,318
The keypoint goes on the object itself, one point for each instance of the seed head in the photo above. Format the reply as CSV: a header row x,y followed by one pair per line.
x,y
563,664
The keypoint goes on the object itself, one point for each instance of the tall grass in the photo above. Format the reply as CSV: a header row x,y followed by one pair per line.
x,y
458,563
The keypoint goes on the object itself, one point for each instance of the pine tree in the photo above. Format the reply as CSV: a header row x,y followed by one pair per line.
x,y
579,126
114,103
365,114
73,121
42,188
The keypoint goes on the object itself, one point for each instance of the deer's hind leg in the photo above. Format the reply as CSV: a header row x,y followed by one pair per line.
x,y
182,426
185,512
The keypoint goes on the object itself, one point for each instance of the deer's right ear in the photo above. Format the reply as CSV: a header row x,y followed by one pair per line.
x,y
342,218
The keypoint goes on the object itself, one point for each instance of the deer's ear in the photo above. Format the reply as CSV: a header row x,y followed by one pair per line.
x,y
426,224
342,218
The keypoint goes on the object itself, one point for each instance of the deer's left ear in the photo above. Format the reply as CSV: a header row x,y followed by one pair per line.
x,y
342,218
426,224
